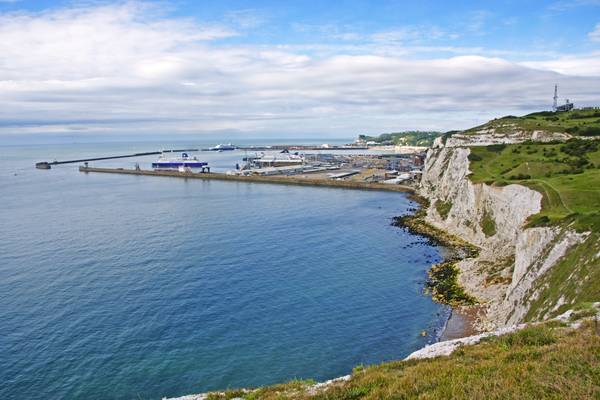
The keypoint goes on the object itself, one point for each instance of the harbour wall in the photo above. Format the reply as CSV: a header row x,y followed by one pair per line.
x,y
281,180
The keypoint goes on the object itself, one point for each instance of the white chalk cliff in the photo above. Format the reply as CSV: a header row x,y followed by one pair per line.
x,y
515,256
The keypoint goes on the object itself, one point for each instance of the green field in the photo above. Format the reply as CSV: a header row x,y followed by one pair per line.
x,y
538,362
408,138
567,175
576,122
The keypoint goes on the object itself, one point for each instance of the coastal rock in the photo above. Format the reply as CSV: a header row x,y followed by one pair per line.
x,y
446,348
488,136
512,258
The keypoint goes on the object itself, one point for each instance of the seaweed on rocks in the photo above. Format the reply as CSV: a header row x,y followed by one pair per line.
x,y
443,277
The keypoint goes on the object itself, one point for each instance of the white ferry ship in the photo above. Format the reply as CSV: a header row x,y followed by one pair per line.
x,y
184,160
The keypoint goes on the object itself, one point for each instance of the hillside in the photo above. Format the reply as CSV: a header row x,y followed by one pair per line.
x,y
576,122
547,361
408,138
566,174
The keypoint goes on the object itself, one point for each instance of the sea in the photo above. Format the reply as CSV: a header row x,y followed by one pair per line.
x,y
141,287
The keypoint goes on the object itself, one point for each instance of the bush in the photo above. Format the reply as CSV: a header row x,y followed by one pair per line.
x,y
487,224
541,114
536,222
474,157
577,115
496,148
590,131
519,177
443,208
578,147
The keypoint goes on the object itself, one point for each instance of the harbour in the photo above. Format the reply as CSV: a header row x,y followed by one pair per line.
x,y
357,170
282,180
246,258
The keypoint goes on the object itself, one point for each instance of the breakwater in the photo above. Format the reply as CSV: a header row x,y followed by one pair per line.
x,y
47,165
285,180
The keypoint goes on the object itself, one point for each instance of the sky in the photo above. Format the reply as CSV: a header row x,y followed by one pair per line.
x,y
288,68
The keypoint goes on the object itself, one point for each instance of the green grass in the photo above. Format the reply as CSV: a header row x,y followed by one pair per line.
x,y
443,208
567,177
539,362
408,138
577,122
488,224
575,279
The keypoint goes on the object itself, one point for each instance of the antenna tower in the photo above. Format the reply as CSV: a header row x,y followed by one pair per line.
x,y
555,104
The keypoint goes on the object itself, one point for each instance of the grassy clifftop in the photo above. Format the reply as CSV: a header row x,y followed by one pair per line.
x,y
546,361
409,138
568,177
566,174
577,122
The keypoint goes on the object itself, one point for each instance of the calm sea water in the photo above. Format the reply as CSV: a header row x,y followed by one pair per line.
x,y
141,287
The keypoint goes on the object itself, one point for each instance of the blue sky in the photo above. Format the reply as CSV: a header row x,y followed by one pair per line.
x,y
288,67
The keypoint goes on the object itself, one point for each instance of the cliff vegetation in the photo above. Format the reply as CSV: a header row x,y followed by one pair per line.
x,y
566,174
577,122
543,361
408,138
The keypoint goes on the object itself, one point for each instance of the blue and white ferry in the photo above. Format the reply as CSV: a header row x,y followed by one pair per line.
x,y
185,161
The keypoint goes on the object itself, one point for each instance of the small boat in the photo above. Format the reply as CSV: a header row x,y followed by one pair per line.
x,y
223,147
185,160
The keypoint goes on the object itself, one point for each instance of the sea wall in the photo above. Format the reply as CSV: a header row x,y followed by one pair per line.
x,y
512,258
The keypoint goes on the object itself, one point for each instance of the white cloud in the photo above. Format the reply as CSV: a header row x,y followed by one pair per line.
x,y
587,65
595,34
130,68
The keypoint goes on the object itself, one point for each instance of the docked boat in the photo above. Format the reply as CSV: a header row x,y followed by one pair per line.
x,y
282,159
223,147
184,161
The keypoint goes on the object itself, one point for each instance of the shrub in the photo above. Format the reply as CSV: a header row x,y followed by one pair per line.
x,y
579,147
541,114
519,177
496,148
487,224
538,221
443,208
590,131
474,157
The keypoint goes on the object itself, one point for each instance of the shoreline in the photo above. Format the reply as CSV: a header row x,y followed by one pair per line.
x,y
461,321
442,277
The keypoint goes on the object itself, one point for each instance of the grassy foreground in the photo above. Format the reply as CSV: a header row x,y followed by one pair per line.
x,y
539,362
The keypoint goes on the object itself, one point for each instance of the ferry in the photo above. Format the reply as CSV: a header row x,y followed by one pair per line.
x,y
185,160
223,147
279,160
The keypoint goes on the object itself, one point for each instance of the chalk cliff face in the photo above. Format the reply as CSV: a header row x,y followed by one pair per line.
x,y
503,133
505,274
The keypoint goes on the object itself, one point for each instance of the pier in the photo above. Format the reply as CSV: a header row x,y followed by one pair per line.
x,y
282,180
48,165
